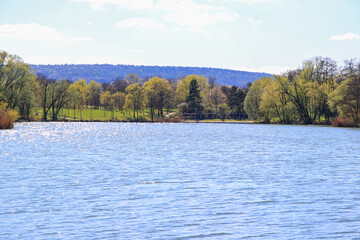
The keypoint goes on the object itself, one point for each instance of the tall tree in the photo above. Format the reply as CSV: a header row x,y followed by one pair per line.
x,y
136,96
133,78
216,97
17,83
212,81
253,98
158,93
44,93
105,100
182,90
346,98
93,91
59,96
193,99
77,91
274,103
303,92
236,99
119,85
119,100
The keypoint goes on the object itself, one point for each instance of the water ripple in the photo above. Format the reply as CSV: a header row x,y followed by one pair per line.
x,y
178,181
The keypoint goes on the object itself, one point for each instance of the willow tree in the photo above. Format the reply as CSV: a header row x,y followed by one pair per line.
x,y
17,84
275,103
346,98
59,96
43,93
253,98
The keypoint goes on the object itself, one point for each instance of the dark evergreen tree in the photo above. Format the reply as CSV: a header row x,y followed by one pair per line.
x,y
236,99
194,99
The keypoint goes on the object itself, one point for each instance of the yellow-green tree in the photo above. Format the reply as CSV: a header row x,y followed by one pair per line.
x,y
182,91
253,98
346,98
275,103
77,91
158,92
105,100
17,84
303,93
119,100
59,96
93,91
135,98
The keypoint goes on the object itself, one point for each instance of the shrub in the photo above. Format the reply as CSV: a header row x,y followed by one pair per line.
x,y
5,121
7,117
340,122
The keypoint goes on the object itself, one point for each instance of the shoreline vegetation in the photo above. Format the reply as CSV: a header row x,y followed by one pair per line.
x,y
319,93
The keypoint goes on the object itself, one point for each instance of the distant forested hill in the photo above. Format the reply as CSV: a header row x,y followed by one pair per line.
x,y
107,72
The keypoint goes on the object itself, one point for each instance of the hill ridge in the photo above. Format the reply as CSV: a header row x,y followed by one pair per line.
x,y
108,72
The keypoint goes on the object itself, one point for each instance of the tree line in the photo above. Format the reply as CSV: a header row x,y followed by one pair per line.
x,y
320,91
26,92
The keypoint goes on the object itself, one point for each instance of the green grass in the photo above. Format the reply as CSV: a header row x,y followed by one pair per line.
x,y
101,115
97,115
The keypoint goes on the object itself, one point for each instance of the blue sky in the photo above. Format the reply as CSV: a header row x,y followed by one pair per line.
x,y
254,35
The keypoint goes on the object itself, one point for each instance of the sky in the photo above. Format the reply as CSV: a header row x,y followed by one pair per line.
x,y
251,35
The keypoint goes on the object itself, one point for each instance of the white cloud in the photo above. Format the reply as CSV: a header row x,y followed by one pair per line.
x,y
251,20
197,18
136,50
253,1
36,32
130,4
346,36
193,15
140,23
186,13
273,69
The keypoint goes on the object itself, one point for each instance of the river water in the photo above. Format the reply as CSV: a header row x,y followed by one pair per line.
x,y
179,181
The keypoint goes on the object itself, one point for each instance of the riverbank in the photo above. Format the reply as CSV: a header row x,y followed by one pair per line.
x,y
155,121
180,120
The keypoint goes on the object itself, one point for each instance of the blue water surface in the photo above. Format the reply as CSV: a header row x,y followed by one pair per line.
x,y
179,181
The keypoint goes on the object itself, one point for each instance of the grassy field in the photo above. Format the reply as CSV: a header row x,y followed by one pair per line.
x,y
96,115
107,115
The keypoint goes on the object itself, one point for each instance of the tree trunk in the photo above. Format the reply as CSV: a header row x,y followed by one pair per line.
x,y
54,117
152,114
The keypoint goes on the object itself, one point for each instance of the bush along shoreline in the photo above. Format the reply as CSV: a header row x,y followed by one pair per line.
x,y
7,117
